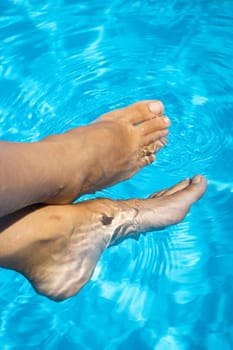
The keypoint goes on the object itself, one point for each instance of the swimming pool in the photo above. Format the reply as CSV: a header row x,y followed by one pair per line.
x,y
63,63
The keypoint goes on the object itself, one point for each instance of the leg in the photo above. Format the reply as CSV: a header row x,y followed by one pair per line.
x,y
62,167
57,247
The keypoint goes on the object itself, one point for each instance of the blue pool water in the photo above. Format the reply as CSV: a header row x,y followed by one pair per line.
x,y
63,63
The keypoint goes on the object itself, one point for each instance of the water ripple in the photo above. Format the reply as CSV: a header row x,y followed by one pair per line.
x,y
63,64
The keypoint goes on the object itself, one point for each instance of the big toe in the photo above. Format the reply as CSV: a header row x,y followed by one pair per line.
x,y
165,210
179,203
193,191
137,112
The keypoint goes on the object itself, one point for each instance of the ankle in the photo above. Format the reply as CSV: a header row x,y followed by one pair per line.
x,y
64,172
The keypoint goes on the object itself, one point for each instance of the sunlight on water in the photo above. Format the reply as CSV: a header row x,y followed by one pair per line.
x,y
64,63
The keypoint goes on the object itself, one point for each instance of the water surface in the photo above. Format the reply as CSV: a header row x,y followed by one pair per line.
x,y
62,64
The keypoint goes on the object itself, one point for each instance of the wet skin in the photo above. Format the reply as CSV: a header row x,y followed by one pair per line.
x,y
56,245
62,167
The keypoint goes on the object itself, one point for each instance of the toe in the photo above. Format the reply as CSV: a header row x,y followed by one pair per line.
x,y
156,136
156,107
137,112
191,193
153,125
155,146
164,141
148,159
144,110
163,210
157,194
178,187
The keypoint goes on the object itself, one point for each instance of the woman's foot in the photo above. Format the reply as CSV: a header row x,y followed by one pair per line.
x,y
111,149
60,168
57,247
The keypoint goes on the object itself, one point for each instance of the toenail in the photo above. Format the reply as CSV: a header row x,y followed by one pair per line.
x,y
166,119
156,107
197,179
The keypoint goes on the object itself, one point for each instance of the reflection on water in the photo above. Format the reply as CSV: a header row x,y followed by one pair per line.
x,y
64,63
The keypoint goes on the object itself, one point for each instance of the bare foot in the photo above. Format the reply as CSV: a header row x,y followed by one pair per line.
x,y
57,247
60,168
111,149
